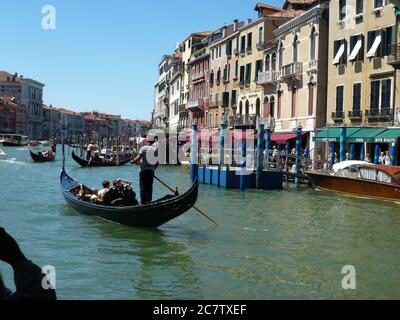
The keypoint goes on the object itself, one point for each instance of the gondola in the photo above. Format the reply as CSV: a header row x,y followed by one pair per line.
x,y
85,163
151,215
36,157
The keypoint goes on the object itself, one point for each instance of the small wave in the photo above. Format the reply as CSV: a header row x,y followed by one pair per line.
x,y
250,229
12,161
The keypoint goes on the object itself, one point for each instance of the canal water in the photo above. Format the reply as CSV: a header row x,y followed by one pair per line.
x,y
289,244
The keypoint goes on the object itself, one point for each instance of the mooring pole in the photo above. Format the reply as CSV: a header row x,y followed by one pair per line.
x,y
222,144
299,150
193,152
243,167
260,155
343,131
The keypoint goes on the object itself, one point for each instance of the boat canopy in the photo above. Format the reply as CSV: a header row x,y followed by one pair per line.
x,y
345,164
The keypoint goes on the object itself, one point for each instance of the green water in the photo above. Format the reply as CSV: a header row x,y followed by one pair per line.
x,y
289,244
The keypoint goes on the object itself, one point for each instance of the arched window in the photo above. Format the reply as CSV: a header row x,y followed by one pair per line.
x,y
240,108
212,78
258,107
281,52
272,107
313,39
247,106
295,48
236,69
266,107
218,76
228,76
273,62
267,63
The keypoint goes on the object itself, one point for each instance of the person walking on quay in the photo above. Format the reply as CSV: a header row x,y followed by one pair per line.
x,y
368,158
386,159
28,277
146,159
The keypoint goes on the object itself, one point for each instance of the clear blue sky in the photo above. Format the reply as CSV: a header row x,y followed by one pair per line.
x,y
104,54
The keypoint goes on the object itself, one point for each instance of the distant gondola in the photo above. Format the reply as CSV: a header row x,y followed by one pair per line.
x,y
93,163
40,158
150,215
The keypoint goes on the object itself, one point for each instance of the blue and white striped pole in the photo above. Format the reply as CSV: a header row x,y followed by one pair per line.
x,y
287,157
194,152
343,131
243,167
267,145
393,155
299,152
352,152
260,153
376,155
222,144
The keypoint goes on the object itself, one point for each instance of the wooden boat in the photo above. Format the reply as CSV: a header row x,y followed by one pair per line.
x,y
360,179
38,157
151,215
85,163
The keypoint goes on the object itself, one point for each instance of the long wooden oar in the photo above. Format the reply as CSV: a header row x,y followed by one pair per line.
x,y
194,207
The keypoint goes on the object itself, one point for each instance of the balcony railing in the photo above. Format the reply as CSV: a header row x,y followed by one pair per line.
x,y
261,46
379,114
241,84
394,55
236,52
243,120
337,116
268,77
355,115
248,50
292,70
198,76
243,52
195,104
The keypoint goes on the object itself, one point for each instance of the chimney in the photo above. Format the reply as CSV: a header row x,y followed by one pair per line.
x,y
235,25
223,32
249,21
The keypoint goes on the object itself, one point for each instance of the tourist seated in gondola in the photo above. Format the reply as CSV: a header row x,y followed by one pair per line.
x,y
121,194
96,157
102,192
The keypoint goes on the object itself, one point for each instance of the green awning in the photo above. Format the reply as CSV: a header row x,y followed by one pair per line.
x,y
333,134
365,135
388,136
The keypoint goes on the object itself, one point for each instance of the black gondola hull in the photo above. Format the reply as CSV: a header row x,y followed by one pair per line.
x,y
152,215
85,163
39,158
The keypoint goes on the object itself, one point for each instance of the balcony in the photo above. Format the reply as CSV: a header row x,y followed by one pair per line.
x,y
242,52
236,52
195,104
261,46
394,56
198,77
241,84
385,114
338,116
243,120
268,77
292,71
248,50
355,115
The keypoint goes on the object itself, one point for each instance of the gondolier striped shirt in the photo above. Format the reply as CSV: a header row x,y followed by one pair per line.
x,y
149,158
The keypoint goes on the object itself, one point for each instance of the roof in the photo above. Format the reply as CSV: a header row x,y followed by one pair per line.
x,y
261,6
299,2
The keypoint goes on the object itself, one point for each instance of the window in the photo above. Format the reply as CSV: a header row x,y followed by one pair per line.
x,y
211,100
359,7
310,98
212,78
236,69
342,10
273,62
375,91
218,76
313,39
295,49
281,51
294,100
228,47
379,42
279,104
217,99
386,94
267,62
243,44
258,68
248,73
356,48
233,101
242,69
225,77
260,35
357,97
340,52
249,41
378,4
339,98
228,76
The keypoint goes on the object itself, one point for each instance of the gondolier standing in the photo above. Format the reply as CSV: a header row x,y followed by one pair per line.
x,y
147,159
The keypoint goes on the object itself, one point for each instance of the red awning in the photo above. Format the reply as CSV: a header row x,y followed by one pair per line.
x,y
282,138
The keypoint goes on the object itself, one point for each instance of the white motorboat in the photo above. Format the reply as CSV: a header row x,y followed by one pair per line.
x,y
3,155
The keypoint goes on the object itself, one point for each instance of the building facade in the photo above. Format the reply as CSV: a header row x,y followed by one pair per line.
x,y
51,123
29,93
295,76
